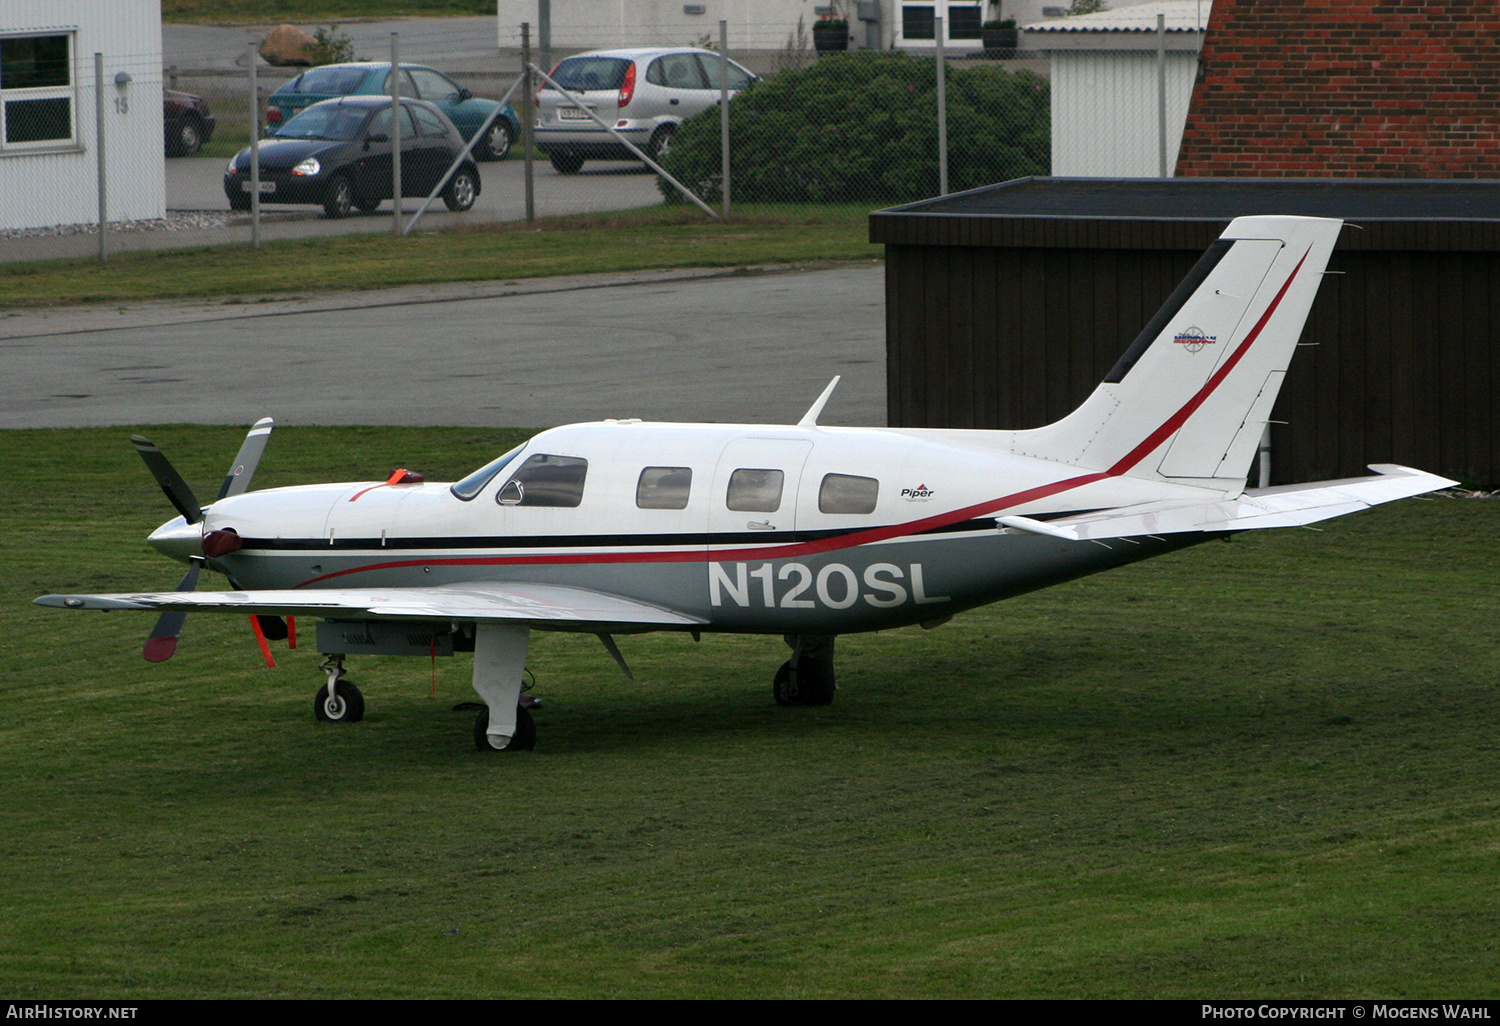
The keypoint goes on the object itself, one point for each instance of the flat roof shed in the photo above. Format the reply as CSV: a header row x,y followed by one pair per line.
x,y
1006,306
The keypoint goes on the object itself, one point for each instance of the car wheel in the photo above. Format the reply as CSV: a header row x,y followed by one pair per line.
x,y
241,202
565,163
660,144
496,142
187,139
338,201
366,204
461,191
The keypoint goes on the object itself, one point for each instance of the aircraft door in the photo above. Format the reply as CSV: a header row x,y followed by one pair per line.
x,y
755,488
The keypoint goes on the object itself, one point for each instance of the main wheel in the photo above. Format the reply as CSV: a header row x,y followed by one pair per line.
x,y
523,740
338,201
660,144
496,142
565,163
345,705
462,189
814,684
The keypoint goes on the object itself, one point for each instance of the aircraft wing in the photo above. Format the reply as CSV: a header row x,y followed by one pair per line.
x,y
540,605
1282,506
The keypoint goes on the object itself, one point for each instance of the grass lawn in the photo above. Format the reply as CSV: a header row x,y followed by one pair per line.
x,y
666,236
1261,769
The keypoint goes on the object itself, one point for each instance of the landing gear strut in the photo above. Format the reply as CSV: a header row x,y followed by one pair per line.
x,y
807,677
338,701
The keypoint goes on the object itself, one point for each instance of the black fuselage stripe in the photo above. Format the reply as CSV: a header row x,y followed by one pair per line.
x,y
612,541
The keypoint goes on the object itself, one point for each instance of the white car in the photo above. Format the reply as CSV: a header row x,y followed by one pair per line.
x,y
643,94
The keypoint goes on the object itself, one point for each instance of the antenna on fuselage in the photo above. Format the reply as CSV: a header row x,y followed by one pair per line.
x,y
810,418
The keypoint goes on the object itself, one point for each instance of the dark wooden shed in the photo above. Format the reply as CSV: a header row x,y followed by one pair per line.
x,y
1005,306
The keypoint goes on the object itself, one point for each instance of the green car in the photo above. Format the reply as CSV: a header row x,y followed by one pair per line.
x,y
369,78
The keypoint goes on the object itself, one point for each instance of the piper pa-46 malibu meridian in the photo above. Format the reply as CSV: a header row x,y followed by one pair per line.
x,y
804,531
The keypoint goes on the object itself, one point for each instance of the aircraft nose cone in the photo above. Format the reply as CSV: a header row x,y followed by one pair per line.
x,y
178,539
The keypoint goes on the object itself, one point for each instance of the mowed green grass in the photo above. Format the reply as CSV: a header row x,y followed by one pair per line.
x,y
1260,769
630,240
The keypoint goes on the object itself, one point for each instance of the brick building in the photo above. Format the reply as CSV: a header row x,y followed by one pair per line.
x,y
1347,88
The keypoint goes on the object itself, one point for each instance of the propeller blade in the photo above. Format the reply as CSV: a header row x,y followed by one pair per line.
x,y
243,467
163,641
172,484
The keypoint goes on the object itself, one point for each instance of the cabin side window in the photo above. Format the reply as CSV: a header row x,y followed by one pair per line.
x,y
844,493
755,491
545,480
664,488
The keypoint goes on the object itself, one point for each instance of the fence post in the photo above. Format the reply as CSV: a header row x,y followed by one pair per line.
x,y
99,152
1161,95
724,112
528,119
254,154
942,113
544,33
395,137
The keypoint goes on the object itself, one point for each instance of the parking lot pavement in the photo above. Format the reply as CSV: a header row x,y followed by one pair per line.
x,y
663,345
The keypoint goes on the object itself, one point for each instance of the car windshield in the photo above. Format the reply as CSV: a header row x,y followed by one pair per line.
x,y
580,74
324,121
339,81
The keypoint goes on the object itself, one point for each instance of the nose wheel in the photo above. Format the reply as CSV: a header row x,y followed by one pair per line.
x,y
523,740
338,701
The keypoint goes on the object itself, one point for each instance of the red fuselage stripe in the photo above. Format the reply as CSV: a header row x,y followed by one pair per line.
x,y
1151,443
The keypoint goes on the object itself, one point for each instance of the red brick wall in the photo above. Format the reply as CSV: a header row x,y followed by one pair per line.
x,y
1347,88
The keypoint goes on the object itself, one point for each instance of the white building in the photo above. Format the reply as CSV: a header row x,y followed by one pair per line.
x,y
48,151
766,24
1105,92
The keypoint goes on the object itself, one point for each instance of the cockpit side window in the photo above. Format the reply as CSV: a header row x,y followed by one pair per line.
x,y
663,488
546,480
475,482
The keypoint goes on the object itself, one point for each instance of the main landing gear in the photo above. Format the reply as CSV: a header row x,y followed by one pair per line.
x,y
338,701
807,677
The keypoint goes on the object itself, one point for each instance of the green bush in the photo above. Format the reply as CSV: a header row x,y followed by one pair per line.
x,y
862,127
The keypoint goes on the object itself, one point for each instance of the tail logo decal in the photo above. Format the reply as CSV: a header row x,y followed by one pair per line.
x,y
1194,338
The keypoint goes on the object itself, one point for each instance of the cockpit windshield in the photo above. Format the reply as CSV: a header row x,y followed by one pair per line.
x,y
475,482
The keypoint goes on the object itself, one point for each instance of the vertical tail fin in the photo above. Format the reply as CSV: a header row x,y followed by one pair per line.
x,y
1188,400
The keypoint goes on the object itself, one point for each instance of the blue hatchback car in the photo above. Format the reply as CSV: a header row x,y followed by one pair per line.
x,y
371,78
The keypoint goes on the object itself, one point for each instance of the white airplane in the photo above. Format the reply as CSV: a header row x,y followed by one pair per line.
x,y
802,530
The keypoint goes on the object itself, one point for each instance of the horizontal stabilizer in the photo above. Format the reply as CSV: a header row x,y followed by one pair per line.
x,y
1282,506
539,605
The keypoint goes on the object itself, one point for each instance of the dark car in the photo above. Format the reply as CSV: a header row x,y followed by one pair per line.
x,y
370,78
337,154
188,121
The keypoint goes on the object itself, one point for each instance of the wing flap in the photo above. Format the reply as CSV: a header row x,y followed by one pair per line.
x,y
541,605
1282,506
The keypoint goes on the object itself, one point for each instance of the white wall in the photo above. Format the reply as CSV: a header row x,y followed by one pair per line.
x,y
1104,112
57,184
598,24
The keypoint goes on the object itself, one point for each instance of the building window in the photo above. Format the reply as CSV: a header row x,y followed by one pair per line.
x,y
964,22
37,108
918,22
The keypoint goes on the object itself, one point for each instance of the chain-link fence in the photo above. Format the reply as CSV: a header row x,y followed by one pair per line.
x,y
864,127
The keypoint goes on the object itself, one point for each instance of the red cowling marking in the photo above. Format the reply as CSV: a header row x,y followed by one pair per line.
x,y
159,650
874,534
291,632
